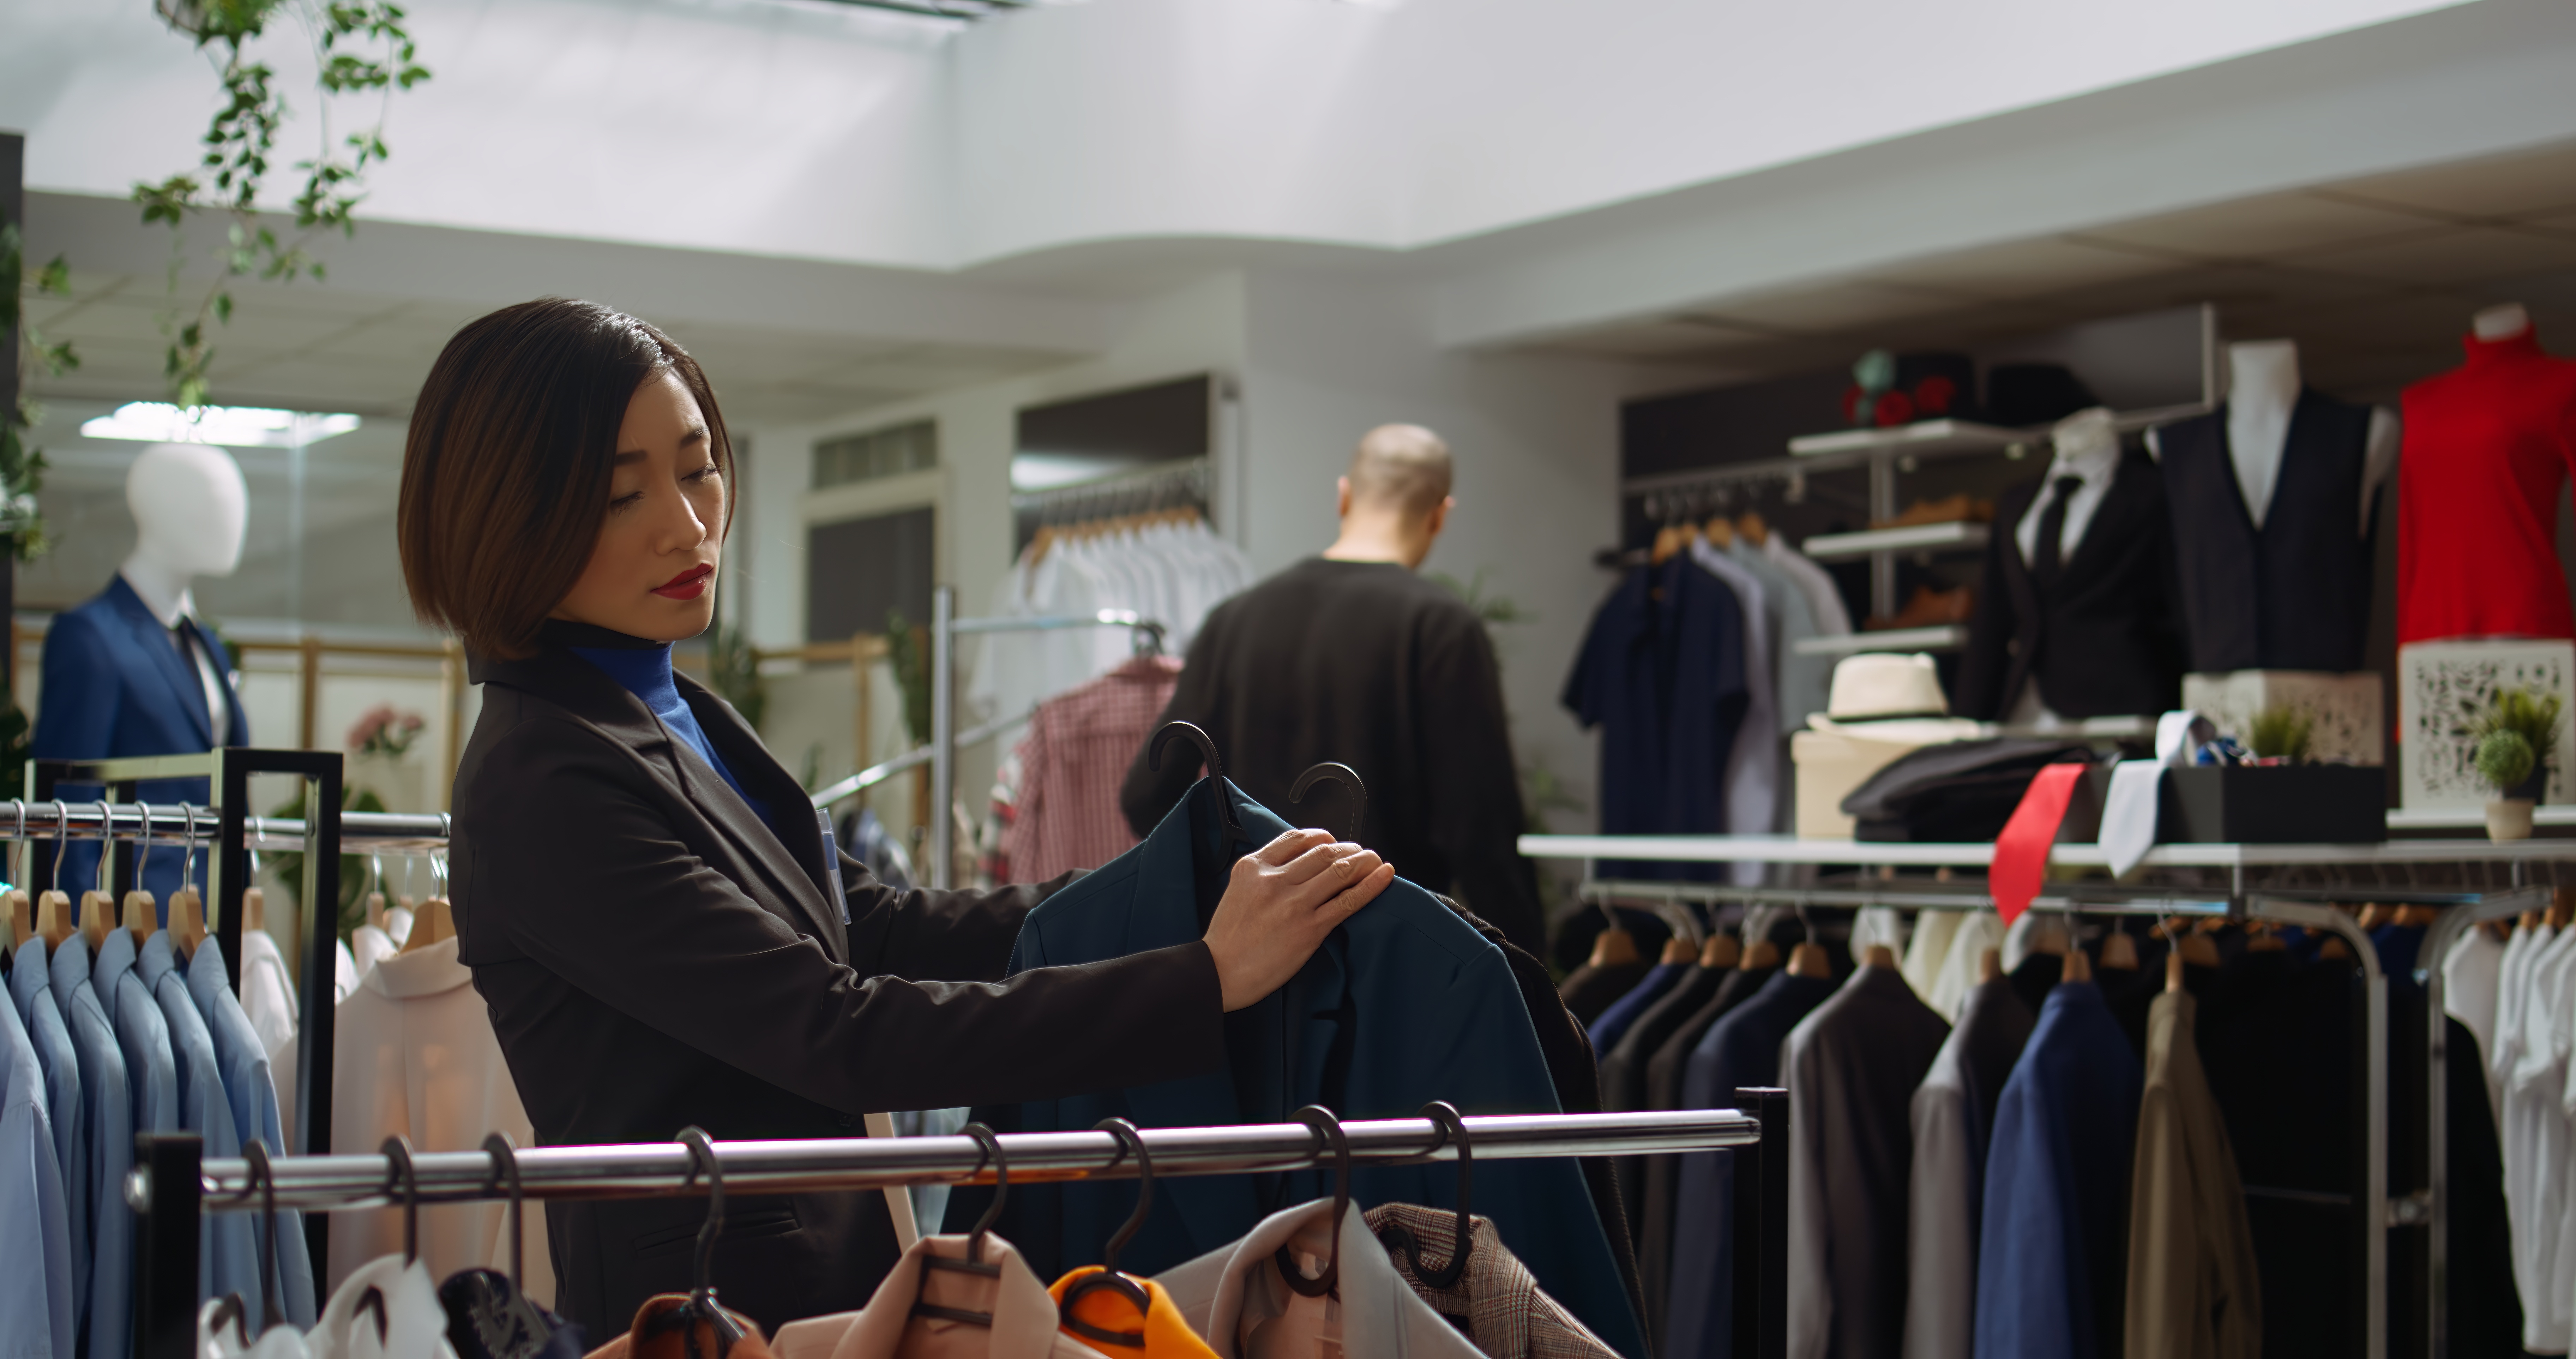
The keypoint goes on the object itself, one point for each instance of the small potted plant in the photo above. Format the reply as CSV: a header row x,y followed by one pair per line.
x,y
2504,760
2533,716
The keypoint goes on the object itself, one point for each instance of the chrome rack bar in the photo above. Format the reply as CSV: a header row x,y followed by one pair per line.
x,y
331,1183
878,773
945,628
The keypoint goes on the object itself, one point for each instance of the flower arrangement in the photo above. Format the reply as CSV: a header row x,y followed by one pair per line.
x,y
385,732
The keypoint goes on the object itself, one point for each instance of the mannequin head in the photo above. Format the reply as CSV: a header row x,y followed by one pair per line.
x,y
190,505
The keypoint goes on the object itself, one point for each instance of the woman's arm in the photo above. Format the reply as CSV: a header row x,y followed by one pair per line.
x,y
925,935
570,868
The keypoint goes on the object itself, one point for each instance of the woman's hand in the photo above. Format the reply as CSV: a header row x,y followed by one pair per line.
x,y
1283,900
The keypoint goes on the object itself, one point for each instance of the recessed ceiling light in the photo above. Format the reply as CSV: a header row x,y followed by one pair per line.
x,y
230,426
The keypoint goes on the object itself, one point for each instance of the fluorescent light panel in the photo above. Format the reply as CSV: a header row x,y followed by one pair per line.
x,y
227,426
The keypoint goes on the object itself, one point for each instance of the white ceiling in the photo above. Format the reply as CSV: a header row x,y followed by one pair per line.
x,y
310,347
2374,277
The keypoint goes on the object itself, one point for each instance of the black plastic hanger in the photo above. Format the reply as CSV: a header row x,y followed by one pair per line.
x,y
1452,1129
1207,755
1344,775
398,1151
974,1263
1328,1136
505,1167
702,1304
263,1178
1109,1278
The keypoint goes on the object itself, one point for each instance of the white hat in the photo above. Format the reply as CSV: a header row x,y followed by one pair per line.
x,y
1883,696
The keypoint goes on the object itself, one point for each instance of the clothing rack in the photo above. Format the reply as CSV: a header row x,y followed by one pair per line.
x,y
172,1185
2381,1213
945,628
1163,487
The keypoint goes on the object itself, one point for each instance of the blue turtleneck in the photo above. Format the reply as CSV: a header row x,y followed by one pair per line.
x,y
645,671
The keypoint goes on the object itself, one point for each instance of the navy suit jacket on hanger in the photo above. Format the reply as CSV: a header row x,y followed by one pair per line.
x,y
1405,1003
115,687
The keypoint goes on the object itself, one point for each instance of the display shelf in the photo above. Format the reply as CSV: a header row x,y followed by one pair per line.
x,y
1791,849
1954,536
1948,637
2473,818
1923,436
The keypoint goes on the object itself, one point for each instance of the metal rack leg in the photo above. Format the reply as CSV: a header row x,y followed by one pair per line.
x,y
1762,1228
165,1244
943,737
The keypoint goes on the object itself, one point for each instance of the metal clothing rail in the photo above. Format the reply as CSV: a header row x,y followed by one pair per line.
x,y
172,1187
945,628
2427,1207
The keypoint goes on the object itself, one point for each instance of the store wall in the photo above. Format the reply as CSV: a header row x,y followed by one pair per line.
x,y
1535,443
1317,361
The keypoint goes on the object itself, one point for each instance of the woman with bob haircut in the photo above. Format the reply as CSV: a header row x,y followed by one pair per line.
x,y
660,925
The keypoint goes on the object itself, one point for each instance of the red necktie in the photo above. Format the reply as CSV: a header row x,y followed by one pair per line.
x,y
2021,852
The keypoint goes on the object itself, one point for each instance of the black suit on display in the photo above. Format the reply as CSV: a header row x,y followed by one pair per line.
x,y
2105,639
655,956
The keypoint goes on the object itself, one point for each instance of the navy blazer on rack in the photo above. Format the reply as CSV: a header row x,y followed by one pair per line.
x,y
115,687
1404,1004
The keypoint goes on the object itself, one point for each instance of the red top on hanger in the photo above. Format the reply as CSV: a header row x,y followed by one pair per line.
x,y
2488,449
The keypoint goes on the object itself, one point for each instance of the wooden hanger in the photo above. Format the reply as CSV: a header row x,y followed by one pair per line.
x,y
1761,953
1990,965
53,919
1878,955
2078,968
1721,950
2374,915
22,918
2173,970
376,909
1613,947
187,921
1721,532
1752,527
2119,951
2417,916
1809,960
432,924
254,909
97,917
1678,950
142,914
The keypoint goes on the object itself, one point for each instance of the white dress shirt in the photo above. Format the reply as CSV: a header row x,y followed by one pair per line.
x,y
2096,464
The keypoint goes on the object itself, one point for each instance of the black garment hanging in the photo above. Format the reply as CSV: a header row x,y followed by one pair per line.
x,y
2293,594
1662,1175
2107,638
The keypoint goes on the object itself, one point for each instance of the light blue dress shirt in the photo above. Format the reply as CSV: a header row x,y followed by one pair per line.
x,y
151,1068
31,994
107,1117
252,1091
35,1232
227,1252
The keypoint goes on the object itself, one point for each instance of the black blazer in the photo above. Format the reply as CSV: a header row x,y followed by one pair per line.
x,y
2108,641
654,956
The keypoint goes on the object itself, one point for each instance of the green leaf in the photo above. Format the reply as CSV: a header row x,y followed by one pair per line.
x,y
55,278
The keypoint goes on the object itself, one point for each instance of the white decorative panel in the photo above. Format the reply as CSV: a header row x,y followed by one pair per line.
x,y
2441,686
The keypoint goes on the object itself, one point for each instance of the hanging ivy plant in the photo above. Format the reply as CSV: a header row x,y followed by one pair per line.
x,y
359,46
22,465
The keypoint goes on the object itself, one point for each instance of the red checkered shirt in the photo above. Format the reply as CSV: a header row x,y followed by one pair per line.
x,y
1076,754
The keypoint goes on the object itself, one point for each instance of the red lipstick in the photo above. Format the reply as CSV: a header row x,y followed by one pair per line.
x,y
687,585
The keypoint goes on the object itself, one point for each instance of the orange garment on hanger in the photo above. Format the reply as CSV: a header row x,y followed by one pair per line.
x,y
1167,1336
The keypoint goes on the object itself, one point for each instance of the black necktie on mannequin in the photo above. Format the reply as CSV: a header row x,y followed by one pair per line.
x,y
2044,562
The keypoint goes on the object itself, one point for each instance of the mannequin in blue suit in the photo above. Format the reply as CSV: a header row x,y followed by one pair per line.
x,y
132,672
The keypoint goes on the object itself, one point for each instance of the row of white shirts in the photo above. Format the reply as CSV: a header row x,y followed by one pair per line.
x,y
1172,574
2518,998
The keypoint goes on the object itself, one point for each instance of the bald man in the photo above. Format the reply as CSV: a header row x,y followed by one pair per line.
x,y
1350,656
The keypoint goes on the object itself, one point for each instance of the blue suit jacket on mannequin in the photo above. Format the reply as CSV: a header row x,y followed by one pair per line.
x,y
115,687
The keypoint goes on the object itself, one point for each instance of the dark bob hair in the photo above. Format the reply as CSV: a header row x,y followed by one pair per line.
x,y
506,470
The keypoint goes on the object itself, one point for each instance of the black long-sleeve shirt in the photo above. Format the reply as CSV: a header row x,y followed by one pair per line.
x,y
1368,664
